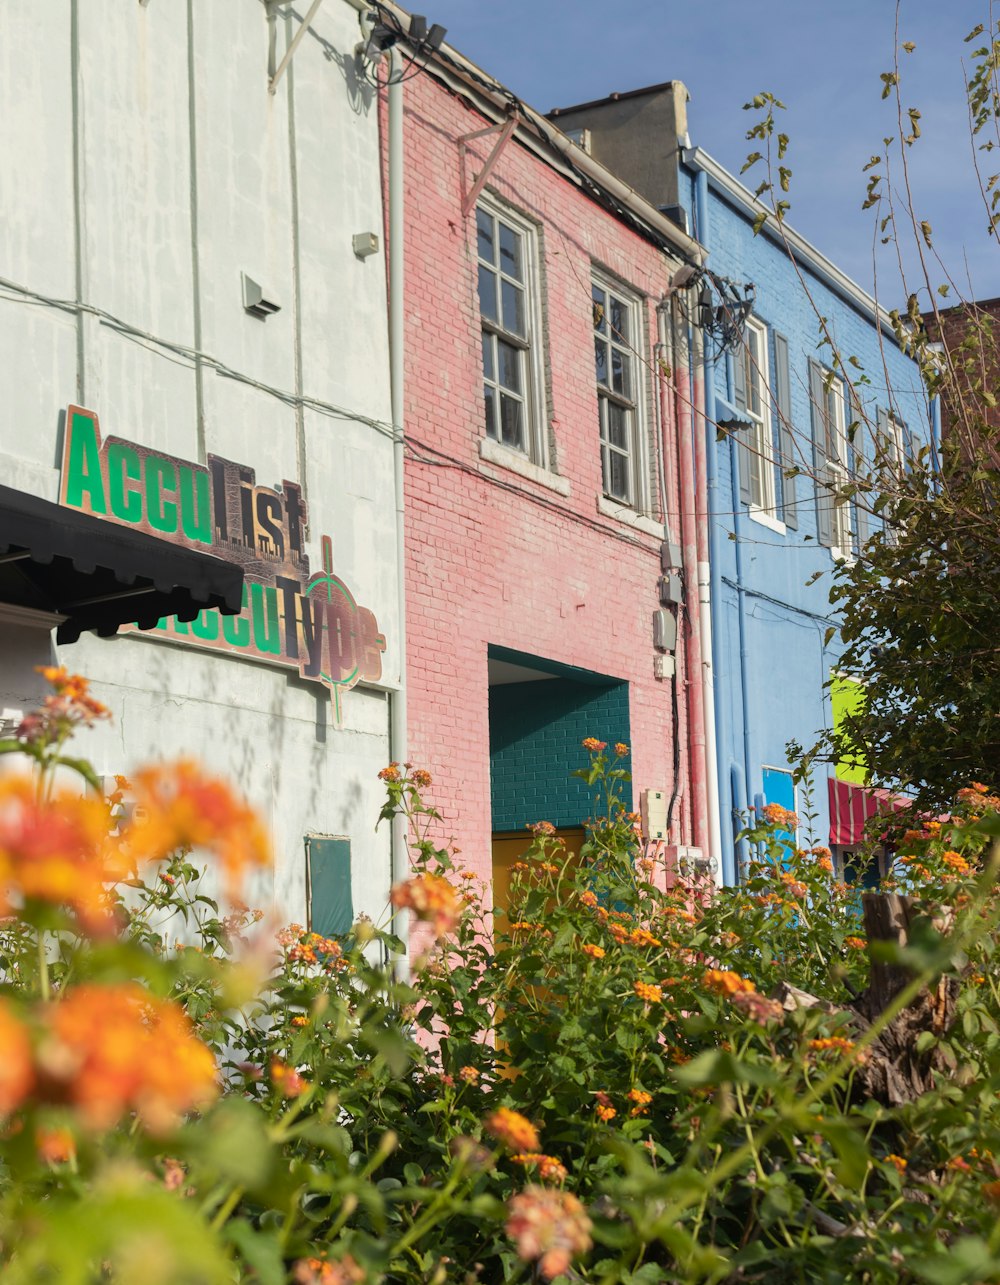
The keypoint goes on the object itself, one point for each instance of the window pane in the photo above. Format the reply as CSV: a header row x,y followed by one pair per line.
x,y
489,368
618,426
600,309
491,410
488,294
619,373
619,320
513,307
510,366
511,422
601,358
510,252
618,480
484,229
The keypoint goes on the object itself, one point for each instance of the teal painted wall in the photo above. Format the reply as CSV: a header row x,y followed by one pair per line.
x,y
535,734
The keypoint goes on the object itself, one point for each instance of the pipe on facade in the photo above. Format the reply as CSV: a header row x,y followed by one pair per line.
x,y
398,739
737,788
700,377
689,561
717,725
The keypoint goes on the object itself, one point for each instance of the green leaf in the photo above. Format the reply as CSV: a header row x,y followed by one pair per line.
x,y
716,1066
261,1250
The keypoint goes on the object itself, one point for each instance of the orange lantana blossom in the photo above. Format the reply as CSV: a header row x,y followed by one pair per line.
x,y
177,807
57,849
432,899
109,1050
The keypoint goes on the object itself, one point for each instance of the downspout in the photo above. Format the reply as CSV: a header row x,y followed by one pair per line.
x,y
701,519
741,612
719,732
689,560
398,742
936,437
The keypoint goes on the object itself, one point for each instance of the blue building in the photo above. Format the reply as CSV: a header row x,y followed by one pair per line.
x,y
769,397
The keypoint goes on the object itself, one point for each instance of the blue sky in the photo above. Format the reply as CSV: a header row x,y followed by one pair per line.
x,y
822,60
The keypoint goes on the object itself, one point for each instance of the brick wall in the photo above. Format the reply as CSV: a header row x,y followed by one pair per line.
x,y
493,557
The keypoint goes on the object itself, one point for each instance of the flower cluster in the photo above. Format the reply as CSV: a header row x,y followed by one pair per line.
x,y
432,899
108,1050
57,850
647,993
548,1227
70,705
324,1271
550,1168
724,982
513,1130
178,807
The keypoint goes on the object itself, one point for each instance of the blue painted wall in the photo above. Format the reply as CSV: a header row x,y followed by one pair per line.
x,y
785,661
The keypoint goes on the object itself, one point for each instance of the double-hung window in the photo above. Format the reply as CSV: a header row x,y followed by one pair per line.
x,y
506,257
753,358
616,335
830,458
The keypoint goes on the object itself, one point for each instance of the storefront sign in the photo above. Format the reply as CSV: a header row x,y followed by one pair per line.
x,y
308,621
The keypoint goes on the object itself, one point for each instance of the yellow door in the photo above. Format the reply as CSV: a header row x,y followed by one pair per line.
x,y
508,848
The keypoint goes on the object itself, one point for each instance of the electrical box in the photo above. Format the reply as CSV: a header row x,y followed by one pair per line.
x,y
687,861
670,556
664,630
653,810
664,667
365,243
671,593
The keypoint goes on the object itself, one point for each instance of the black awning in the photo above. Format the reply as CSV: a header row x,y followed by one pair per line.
x,y
99,575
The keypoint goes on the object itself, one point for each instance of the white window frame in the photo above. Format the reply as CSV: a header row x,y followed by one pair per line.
x,y
755,354
836,462
534,447
632,403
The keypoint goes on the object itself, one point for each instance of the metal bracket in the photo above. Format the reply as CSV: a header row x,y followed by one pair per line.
x,y
274,73
506,128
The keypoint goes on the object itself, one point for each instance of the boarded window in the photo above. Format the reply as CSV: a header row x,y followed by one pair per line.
x,y
330,908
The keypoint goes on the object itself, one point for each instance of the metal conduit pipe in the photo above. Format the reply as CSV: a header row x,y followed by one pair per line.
x,y
694,706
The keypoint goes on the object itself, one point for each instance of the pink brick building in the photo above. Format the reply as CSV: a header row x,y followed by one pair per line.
x,y
543,475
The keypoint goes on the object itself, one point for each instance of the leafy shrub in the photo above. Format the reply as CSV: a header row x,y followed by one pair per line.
x,y
618,1081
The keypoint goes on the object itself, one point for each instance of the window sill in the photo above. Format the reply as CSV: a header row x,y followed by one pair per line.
x,y
622,513
517,463
767,519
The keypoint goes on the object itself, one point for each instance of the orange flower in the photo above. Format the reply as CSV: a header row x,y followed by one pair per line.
x,y
955,861
57,850
648,994
54,1146
595,952
178,807
855,943
991,1190
286,1079
593,744
897,1162
641,1099
432,900
324,1271
835,1044
727,983
112,1049
513,1130
469,1074
390,774
775,814
588,899
605,1113
621,749
16,1073
548,1227
550,1168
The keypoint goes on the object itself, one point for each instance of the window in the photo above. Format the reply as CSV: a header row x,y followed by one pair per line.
x,y
830,459
752,391
511,384
616,332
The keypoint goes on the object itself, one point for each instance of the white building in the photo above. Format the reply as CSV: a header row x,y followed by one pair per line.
x,y
184,255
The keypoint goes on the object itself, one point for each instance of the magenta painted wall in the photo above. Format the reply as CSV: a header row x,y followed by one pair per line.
x,y
493,557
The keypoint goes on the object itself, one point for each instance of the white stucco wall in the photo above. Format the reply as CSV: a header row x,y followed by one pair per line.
x,y
144,166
